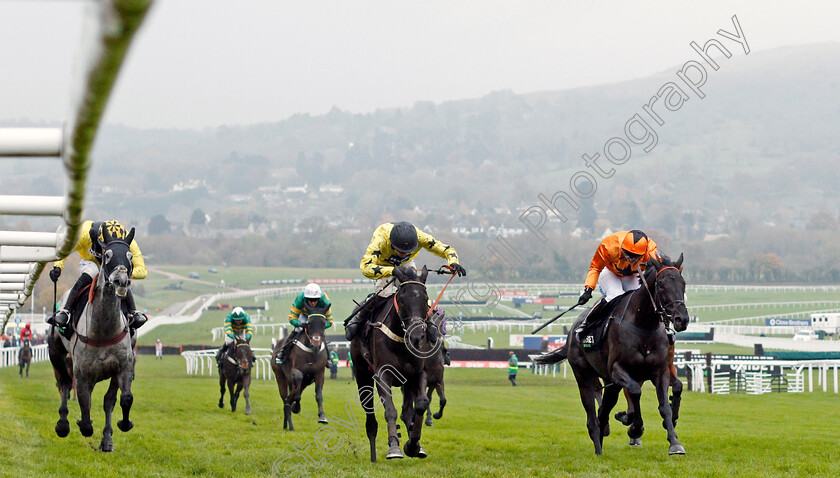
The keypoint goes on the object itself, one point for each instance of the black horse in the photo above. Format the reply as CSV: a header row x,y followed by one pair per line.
x,y
25,356
434,379
400,341
101,347
235,371
304,364
635,350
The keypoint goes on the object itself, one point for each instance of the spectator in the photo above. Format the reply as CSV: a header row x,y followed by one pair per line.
x,y
334,362
158,350
513,368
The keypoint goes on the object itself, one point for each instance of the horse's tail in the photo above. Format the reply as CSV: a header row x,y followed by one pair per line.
x,y
555,356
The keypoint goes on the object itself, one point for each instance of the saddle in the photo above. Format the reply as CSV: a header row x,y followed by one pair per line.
x,y
86,295
599,318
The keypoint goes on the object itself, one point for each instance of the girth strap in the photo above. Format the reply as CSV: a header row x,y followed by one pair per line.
x,y
388,333
300,345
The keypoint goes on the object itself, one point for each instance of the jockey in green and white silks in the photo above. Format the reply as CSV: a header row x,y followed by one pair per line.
x,y
311,298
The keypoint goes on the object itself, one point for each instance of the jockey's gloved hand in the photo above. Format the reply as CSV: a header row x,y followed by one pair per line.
x,y
295,322
232,337
248,337
458,269
55,273
584,298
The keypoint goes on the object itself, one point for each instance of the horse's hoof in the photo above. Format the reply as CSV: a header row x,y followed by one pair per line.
x,y
62,428
221,404
106,447
296,407
125,425
635,442
624,418
394,452
86,429
676,450
248,412
429,422
323,419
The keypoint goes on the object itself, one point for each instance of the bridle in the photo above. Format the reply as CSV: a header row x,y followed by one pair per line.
x,y
422,321
661,311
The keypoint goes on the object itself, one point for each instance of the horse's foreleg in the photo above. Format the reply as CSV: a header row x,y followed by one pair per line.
x,y
676,389
233,393
246,386
661,382
319,396
367,399
126,376
421,405
222,383
442,399
622,379
626,417
107,444
383,385
83,391
429,391
64,383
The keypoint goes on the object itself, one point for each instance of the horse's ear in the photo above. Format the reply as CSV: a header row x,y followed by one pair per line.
x,y
130,236
424,274
678,264
399,274
655,263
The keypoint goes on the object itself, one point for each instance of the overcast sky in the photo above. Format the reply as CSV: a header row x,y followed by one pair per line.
x,y
205,63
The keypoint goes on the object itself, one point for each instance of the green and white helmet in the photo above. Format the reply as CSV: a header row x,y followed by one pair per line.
x,y
312,291
237,314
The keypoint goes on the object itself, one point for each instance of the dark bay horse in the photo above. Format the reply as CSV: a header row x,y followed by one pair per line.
x,y
25,357
304,364
635,350
101,347
400,341
434,374
235,371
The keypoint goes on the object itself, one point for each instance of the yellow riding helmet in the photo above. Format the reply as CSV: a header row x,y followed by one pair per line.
x,y
635,242
114,228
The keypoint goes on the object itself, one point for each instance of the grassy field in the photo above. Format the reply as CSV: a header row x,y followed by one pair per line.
x,y
489,429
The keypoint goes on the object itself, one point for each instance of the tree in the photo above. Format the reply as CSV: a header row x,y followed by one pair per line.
x,y
586,216
198,218
159,225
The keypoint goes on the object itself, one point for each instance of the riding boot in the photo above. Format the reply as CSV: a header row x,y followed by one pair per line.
x,y
62,317
284,351
351,324
586,320
135,318
220,354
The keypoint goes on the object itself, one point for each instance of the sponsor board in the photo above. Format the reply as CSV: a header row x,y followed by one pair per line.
x,y
788,322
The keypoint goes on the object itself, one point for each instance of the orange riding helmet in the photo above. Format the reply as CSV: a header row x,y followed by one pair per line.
x,y
635,242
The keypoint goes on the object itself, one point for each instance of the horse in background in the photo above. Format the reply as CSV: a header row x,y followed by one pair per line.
x,y
304,364
434,373
636,349
25,356
235,371
100,347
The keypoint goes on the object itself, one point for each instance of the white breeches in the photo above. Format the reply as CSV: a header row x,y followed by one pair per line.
x,y
612,285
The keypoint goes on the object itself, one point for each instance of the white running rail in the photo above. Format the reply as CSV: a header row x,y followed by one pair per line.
x,y
23,254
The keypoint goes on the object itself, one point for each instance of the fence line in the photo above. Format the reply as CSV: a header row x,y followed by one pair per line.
x,y
9,355
201,361
24,253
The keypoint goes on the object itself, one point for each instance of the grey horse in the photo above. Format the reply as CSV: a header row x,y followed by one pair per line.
x,y
101,346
